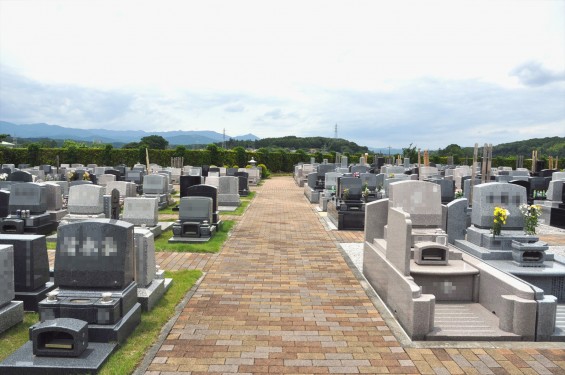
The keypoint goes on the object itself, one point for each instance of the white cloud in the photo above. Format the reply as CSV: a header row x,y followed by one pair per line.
x,y
285,67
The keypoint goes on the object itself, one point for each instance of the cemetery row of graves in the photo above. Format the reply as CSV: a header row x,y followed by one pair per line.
x,y
104,221
453,251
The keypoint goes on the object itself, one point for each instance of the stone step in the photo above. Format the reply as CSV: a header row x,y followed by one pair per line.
x,y
466,321
560,319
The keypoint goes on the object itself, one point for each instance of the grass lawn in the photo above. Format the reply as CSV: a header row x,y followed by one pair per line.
x,y
239,210
212,246
169,210
128,356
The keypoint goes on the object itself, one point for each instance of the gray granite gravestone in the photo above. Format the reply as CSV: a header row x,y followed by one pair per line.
x,y
11,312
156,186
86,200
28,206
105,178
55,201
141,211
126,189
31,268
204,190
150,289
493,194
195,219
228,191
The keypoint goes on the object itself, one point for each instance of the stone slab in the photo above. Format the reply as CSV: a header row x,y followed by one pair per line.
x,y
149,296
22,361
11,314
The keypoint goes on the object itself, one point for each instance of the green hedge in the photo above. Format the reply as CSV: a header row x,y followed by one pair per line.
x,y
276,161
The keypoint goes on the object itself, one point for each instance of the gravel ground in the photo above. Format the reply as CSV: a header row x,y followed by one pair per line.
x,y
355,250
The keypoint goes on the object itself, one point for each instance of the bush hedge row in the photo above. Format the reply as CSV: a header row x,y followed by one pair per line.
x,y
275,161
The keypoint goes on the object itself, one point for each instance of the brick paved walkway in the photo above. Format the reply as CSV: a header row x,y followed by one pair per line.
x,y
280,298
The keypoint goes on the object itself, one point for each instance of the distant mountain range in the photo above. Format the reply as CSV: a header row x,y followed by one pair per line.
x,y
177,137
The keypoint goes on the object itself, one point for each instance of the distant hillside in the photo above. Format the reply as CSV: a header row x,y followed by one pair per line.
x,y
550,146
178,137
301,143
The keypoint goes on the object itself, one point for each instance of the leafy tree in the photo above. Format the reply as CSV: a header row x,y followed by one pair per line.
x,y
68,143
451,150
71,152
410,152
33,150
155,142
240,156
180,151
4,137
131,145
107,154
214,154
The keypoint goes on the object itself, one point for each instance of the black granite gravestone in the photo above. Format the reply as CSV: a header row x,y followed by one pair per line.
x,y
4,200
94,266
557,214
115,204
205,169
21,176
526,185
122,168
188,181
94,253
243,186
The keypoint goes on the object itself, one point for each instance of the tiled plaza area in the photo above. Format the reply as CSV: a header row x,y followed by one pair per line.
x,y
280,298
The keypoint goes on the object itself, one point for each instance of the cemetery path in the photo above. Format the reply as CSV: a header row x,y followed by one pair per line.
x,y
280,298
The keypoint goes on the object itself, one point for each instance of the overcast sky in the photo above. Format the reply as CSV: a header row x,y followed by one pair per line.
x,y
393,73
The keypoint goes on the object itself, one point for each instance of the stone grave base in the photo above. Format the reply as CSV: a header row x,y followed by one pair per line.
x,y
71,218
22,361
117,329
168,283
228,200
177,239
312,195
160,275
346,220
149,296
57,215
227,208
31,299
118,332
11,314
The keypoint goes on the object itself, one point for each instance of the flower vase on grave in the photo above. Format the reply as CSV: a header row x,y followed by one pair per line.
x,y
531,215
500,216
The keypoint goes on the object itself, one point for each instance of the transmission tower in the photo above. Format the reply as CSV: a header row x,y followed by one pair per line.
x,y
335,132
